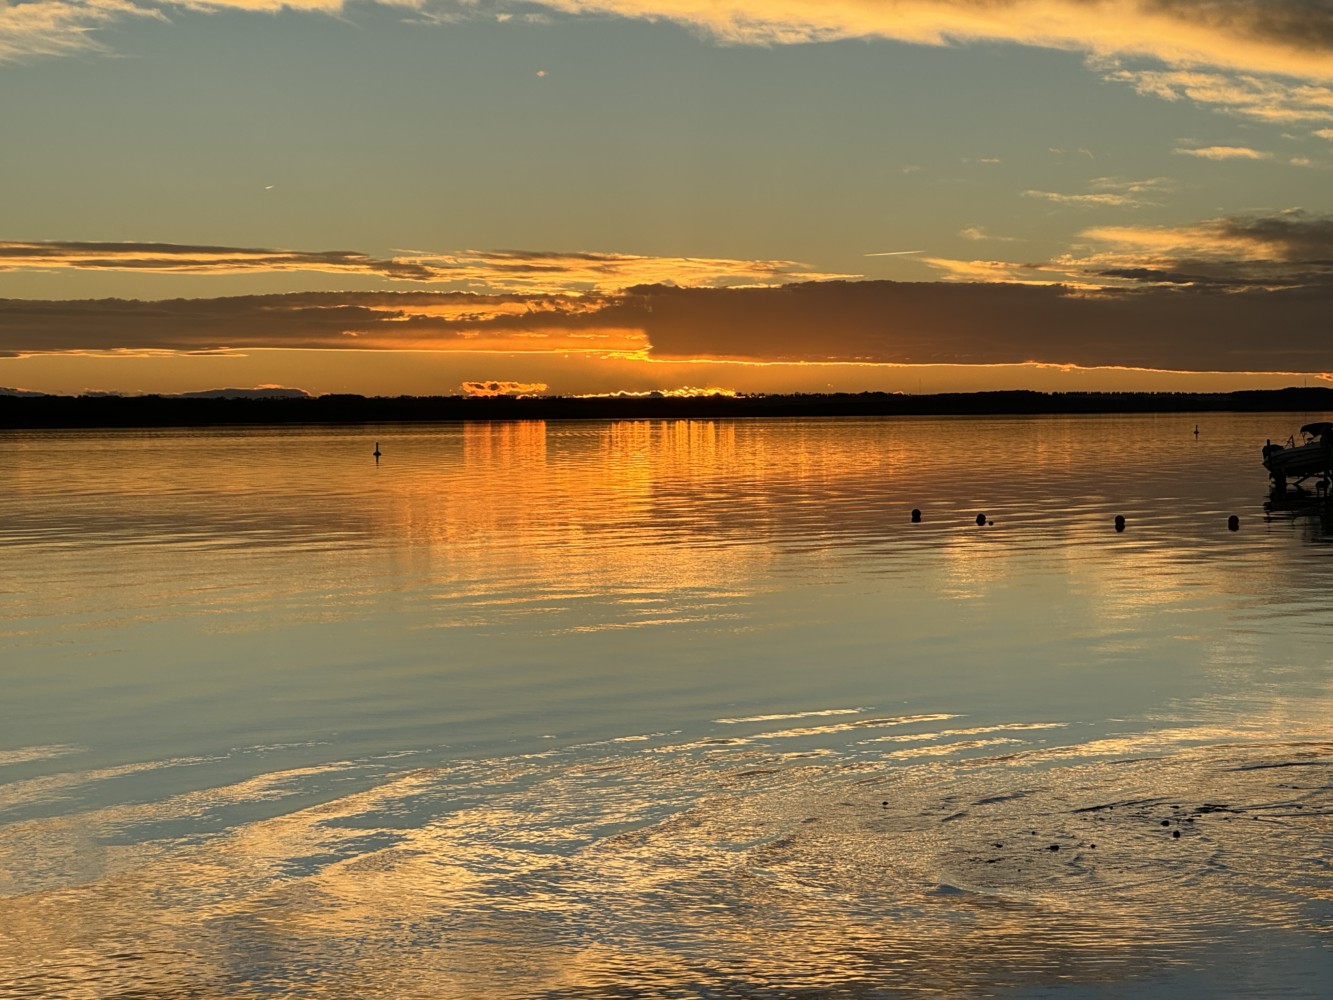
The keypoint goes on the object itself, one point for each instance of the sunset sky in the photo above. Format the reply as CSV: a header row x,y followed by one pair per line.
x,y
573,196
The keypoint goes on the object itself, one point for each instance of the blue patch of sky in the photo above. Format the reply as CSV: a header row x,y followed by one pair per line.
x,y
374,133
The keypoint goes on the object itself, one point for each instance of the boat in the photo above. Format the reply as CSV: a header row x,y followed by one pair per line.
x,y
1298,462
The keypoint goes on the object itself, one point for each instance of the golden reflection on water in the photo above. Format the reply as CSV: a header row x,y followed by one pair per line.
x,y
611,525
746,874
767,649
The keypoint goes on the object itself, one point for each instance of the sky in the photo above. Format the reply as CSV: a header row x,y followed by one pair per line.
x,y
600,196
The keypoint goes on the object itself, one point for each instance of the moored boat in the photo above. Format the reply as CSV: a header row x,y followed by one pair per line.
x,y
1298,462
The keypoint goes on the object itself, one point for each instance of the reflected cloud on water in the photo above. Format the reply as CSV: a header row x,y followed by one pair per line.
x,y
697,874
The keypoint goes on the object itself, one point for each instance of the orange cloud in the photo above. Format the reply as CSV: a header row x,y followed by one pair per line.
x,y
520,270
682,392
60,27
492,270
1004,271
1237,55
1127,295
1287,38
1289,237
431,321
500,388
1289,250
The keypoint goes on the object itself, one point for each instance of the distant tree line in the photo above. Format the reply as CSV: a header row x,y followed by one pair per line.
x,y
173,411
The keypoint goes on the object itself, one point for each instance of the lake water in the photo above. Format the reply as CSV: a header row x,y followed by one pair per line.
x,y
665,709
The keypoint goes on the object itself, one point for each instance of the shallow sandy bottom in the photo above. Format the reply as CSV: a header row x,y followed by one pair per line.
x,y
1202,871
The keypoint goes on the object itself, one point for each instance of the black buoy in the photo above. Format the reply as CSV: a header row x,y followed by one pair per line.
x,y
1233,523
981,519
1120,522
916,515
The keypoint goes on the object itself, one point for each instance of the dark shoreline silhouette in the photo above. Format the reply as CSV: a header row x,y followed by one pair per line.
x,y
24,412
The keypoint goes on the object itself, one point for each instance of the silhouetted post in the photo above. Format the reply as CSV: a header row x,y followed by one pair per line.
x,y
377,453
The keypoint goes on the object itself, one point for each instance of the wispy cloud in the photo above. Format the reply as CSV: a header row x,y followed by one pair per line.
x,y
60,27
1102,198
1289,237
541,270
170,257
978,234
1287,37
1223,153
1114,192
1276,98
994,271
498,270
1289,250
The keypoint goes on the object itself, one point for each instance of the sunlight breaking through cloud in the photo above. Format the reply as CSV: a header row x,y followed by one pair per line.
x,y
503,388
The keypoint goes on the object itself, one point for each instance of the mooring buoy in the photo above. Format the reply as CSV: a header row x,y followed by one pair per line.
x,y
981,519
916,515
1120,522
1233,523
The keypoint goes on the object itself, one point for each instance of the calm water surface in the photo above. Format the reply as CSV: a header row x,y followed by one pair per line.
x,y
664,709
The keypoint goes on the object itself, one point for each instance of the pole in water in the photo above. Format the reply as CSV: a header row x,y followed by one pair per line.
x,y
377,452
1196,430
